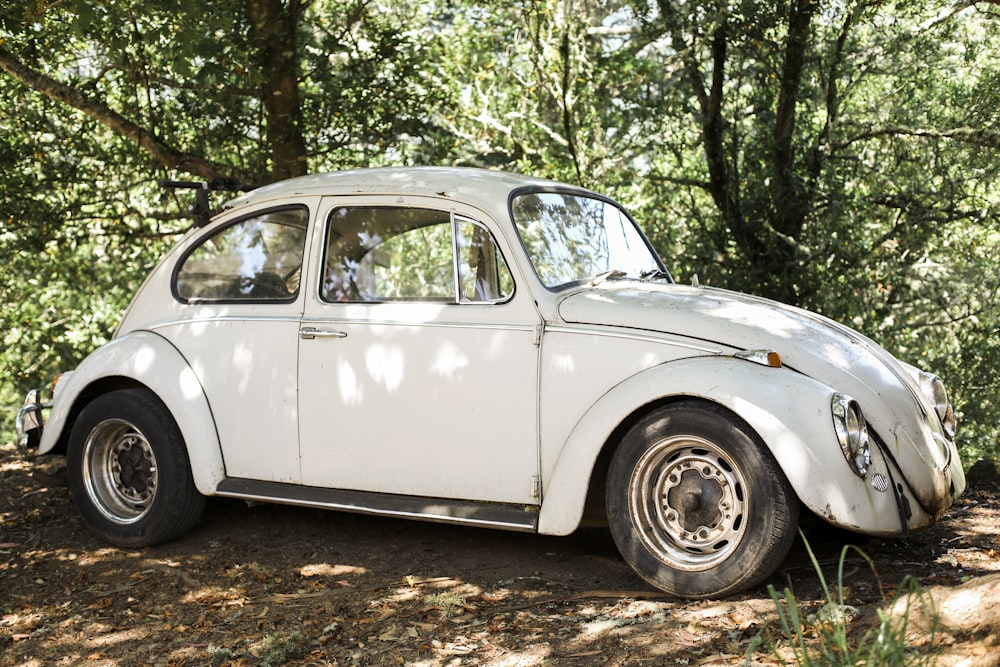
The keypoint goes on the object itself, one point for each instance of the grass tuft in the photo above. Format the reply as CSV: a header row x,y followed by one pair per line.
x,y
825,639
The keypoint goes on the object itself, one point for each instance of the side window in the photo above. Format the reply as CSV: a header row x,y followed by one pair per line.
x,y
410,254
257,259
483,273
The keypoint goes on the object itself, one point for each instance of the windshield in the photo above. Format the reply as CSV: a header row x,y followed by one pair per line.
x,y
572,238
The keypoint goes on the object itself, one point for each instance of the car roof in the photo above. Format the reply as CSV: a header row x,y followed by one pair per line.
x,y
480,187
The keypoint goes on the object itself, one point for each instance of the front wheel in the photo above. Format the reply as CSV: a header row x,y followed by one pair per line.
x,y
129,472
697,504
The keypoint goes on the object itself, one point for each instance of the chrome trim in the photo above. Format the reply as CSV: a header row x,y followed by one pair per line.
x,y
764,357
346,321
518,518
858,454
311,333
320,321
937,395
668,339
880,483
30,412
221,318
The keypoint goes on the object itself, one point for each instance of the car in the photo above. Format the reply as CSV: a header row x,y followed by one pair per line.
x,y
490,349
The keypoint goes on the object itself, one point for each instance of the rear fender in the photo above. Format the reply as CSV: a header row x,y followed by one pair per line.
x,y
145,358
790,412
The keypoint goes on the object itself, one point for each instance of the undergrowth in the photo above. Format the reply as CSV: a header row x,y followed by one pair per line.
x,y
825,638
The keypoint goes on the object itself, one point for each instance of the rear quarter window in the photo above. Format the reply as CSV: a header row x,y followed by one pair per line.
x,y
256,259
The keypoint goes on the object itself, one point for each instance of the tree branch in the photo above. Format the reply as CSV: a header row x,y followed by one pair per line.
x,y
968,135
56,90
566,101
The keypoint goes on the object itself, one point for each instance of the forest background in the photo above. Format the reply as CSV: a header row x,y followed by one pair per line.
x,y
840,155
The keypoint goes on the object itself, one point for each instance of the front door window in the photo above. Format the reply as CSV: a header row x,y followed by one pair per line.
x,y
378,254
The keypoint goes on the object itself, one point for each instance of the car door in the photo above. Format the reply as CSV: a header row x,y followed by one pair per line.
x,y
417,358
239,307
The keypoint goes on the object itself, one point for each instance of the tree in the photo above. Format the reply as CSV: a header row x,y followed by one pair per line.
x,y
837,155
102,99
234,89
849,155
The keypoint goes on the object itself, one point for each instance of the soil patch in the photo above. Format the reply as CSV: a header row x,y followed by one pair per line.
x,y
273,585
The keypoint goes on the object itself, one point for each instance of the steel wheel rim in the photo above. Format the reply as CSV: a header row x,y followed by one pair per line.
x,y
119,471
687,500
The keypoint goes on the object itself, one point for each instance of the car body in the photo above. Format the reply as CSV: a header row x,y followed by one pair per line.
x,y
490,349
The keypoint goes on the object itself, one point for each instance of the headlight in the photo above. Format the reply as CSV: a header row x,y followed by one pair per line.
x,y
852,432
933,388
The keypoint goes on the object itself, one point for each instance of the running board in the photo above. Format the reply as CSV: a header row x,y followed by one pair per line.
x,y
520,518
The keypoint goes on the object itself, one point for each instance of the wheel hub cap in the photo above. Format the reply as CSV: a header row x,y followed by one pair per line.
x,y
133,470
687,502
696,503
120,473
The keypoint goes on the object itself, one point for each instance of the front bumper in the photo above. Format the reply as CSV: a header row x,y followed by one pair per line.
x,y
30,422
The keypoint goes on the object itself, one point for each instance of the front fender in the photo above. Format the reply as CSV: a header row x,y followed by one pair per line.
x,y
148,359
790,412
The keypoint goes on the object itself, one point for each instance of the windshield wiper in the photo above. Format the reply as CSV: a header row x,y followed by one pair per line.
x,y
607,275
654,274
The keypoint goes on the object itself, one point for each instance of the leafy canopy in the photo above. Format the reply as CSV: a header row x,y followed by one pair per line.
x,y
837,155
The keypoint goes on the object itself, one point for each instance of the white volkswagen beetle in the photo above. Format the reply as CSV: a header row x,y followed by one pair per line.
x,y
489,349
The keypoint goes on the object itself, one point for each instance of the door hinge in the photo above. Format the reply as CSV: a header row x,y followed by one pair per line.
x,y
536,486
539,330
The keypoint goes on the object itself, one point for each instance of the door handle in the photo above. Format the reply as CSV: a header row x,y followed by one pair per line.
x,y
309,333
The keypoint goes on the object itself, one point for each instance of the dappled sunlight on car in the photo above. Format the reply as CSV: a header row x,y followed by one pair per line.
x,y
144,360
564,363
777,322
382,315
351,392
242,358
190,387
385,365
483,348
449,360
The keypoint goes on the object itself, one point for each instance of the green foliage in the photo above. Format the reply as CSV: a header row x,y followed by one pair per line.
x,y
73,244
837,155
278,648
372,95
825,639
270,650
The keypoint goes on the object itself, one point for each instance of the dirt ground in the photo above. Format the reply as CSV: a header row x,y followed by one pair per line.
x,y
273,585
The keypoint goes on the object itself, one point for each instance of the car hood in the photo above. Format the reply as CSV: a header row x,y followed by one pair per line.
x,y
818,347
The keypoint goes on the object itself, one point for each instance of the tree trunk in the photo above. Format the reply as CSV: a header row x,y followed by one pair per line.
x,y
275,29
788,198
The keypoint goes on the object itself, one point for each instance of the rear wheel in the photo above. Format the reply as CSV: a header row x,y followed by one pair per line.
x,y
129,472
697,505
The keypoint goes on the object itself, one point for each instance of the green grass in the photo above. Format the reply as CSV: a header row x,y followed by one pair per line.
x,y
825,638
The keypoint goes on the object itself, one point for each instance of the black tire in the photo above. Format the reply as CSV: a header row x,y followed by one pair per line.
x,y
129,472
697,504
